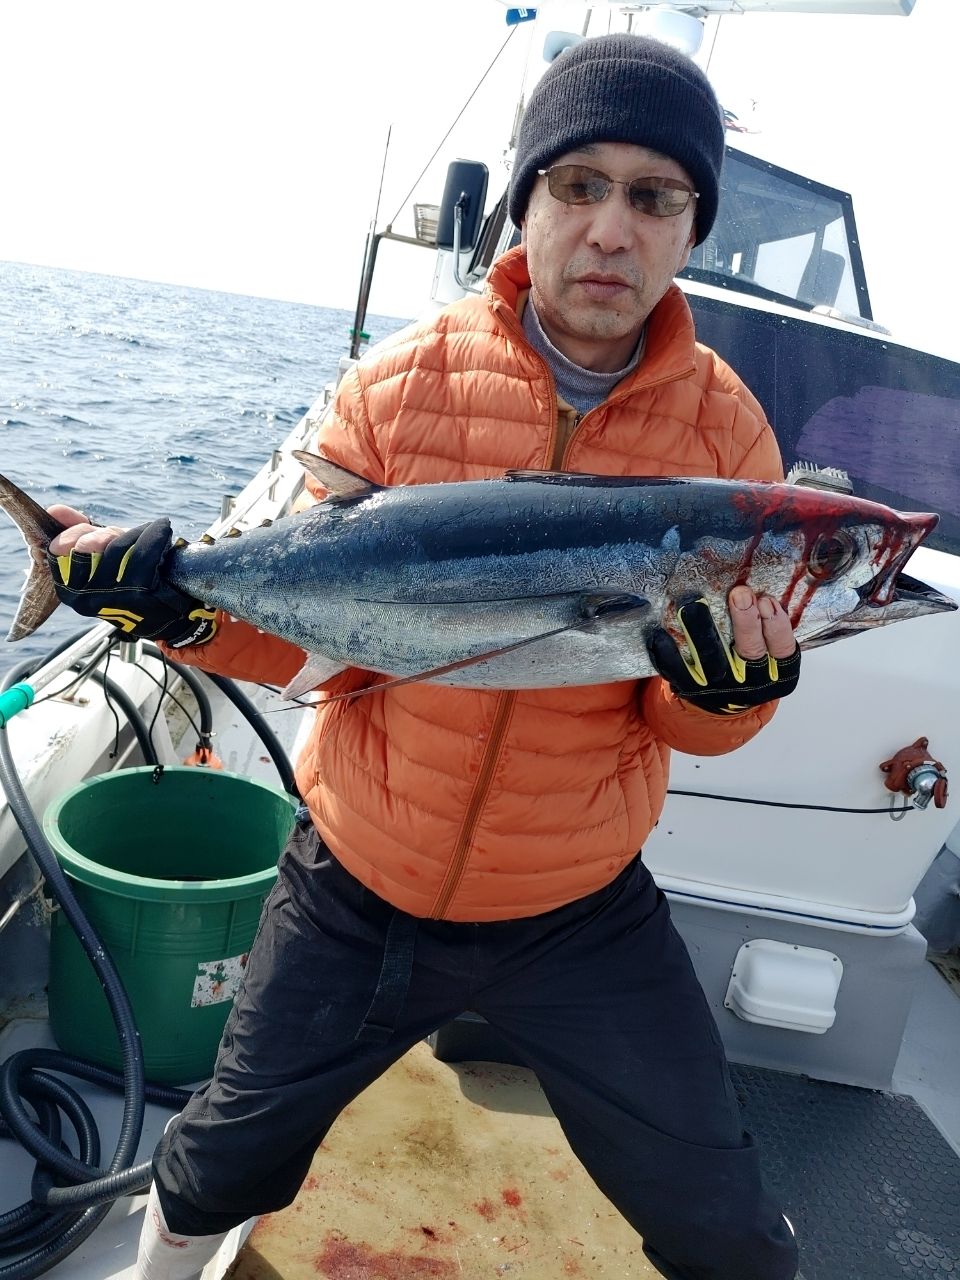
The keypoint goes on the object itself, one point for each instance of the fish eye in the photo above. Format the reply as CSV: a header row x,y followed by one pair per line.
x,y
831,554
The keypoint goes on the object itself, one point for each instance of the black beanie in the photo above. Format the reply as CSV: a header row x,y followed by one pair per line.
x,y
623,88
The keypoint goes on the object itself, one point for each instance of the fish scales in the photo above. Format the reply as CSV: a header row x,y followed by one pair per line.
x,y
408,579
537,580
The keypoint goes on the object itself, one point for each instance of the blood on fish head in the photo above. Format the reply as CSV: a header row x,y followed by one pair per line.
x,y
846,559
834,562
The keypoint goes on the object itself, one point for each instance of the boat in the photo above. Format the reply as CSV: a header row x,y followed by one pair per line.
x,y
820,905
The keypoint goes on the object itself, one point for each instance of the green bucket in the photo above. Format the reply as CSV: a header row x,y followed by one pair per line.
x,y
171,868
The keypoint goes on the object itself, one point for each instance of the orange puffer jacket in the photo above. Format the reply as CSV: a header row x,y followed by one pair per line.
x,y
485,805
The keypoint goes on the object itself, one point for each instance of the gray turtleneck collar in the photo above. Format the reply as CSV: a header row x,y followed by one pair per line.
x,y
582,388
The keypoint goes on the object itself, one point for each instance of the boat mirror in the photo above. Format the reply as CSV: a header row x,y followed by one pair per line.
x,y
466,189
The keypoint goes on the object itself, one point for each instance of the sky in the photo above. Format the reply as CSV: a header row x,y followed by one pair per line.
x,y
239,145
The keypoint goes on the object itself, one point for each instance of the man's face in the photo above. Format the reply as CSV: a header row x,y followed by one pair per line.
x,y
598,270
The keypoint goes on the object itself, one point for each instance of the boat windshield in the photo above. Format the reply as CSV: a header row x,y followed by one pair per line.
x,y
784,237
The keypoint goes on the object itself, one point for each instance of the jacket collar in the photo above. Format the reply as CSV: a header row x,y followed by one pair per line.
x,y
670,342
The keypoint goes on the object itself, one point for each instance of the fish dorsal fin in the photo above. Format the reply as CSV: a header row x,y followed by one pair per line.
x,y
544,477
579,478
337,480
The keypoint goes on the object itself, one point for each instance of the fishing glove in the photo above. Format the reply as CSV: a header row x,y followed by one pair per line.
x,y
123,585
715,677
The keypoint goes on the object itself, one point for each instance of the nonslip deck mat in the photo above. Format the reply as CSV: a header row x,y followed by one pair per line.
x,y
869,1183
871,1186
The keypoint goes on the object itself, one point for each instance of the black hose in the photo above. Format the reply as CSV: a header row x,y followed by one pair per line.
x,y
59,1218
243,704
261,729
76,1210
194,684
119,695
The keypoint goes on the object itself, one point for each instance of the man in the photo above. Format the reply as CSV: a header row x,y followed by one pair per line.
x,y
479,850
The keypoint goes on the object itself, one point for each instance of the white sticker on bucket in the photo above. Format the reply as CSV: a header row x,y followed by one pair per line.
x,y
217,980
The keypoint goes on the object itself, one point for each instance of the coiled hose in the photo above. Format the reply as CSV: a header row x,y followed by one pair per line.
x,y
58,1219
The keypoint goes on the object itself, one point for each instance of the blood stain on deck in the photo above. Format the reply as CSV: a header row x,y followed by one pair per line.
x,y
445,1172
341,1259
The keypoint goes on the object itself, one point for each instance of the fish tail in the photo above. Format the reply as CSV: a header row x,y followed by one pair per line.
x,y
38,598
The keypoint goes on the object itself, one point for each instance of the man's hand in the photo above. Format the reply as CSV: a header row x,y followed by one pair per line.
x,y
762,664
114,574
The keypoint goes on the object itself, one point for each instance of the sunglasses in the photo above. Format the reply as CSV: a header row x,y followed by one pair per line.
x,y
579,184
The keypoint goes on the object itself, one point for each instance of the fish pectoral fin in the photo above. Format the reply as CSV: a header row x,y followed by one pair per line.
x,y
338,481
602,604
317,669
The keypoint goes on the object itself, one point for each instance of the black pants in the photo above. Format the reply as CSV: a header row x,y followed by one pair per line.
x,y
598,997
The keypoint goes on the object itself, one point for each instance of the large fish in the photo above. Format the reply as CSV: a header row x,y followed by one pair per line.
x,y
535,580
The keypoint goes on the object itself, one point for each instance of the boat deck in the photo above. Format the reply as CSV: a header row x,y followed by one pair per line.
x,y
458,1170
450,1171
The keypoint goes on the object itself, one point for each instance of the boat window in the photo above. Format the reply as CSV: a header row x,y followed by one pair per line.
x,y
783,236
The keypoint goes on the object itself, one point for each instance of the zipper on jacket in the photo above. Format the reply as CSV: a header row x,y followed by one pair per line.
x,y
563,440
559,447
481,789
560,463
498,728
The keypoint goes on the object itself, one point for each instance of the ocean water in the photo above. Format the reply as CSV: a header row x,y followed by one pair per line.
x,y
129,400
